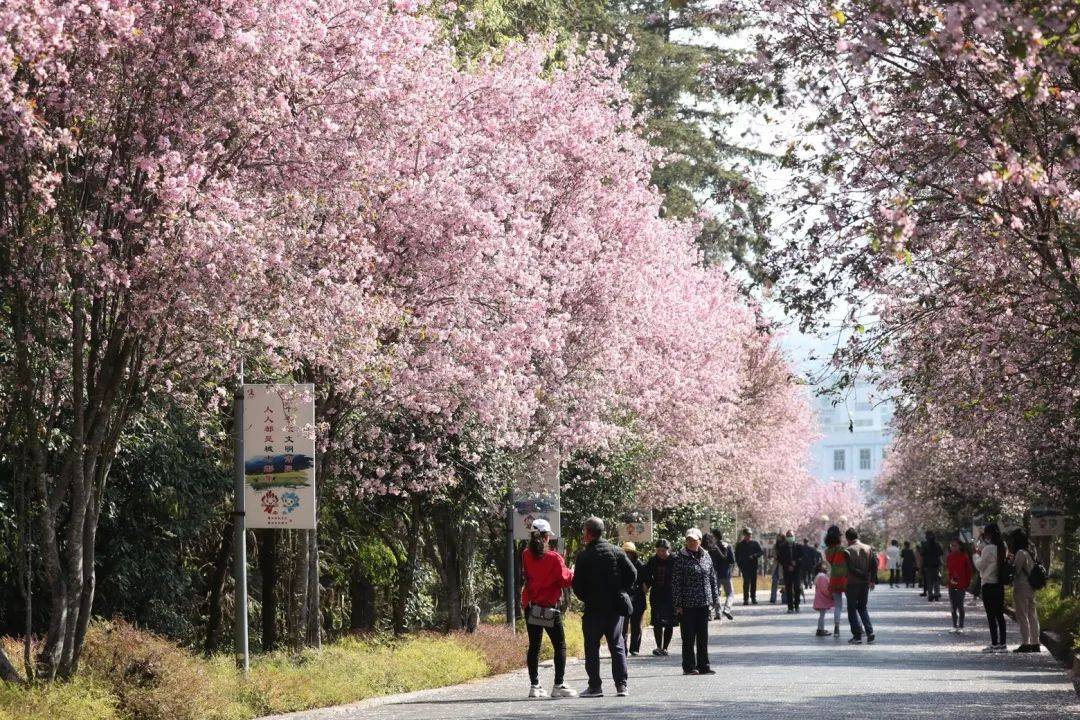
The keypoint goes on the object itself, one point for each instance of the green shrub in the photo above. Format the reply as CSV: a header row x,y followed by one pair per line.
x,y
1058,613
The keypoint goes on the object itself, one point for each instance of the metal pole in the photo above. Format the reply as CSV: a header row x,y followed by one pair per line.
x,y
240,627
510,570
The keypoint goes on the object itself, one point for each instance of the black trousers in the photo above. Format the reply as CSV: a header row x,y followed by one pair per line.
x,y
749,583
993,595
609,626
792,588
662,634
557,635
894,577
632,629
956,605
694,627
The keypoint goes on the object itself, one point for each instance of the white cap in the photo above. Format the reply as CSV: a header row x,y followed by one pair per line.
x,y
693,533
541,525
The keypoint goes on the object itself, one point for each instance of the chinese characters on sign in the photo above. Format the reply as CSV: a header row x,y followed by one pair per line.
x,y
636,526
1047,522
279,456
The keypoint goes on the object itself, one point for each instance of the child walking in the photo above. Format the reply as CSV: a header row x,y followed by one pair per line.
x,y
823,597
960,569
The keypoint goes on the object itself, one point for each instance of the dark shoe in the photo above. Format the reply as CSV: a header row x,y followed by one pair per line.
x,y
658,652
665,652
1035,648
633,653
706,671
855,641
790,611
870,638
690,672
744,602
823,633
728,615
592,693
1021,649
753,602
620,691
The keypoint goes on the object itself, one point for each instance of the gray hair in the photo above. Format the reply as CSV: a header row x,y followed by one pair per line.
x,y
594,526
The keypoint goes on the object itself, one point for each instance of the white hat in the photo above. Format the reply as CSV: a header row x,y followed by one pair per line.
x,y
541,525
693,533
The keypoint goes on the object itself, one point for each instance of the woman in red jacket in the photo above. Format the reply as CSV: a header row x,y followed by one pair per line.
x,y
545,577
960,570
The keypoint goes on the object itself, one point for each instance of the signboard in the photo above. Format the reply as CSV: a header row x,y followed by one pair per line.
x,y
636,526
536,495
279,456
1048,526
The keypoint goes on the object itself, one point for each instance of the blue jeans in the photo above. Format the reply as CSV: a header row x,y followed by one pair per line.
x,y
858,617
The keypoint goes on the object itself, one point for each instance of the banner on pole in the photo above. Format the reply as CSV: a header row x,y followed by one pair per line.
x,y
279,456
636,526
536,496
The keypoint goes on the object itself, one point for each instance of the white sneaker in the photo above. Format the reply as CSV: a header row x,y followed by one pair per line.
x,y
990,649
537,692
562,691
1001,649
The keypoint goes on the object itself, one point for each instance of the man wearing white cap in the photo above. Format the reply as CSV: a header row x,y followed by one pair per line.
x,y
693,584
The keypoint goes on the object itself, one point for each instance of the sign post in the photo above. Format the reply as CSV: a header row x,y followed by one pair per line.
x,y
240,619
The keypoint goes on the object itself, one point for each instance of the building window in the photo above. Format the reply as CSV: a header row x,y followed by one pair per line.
x,y
838,460
864,459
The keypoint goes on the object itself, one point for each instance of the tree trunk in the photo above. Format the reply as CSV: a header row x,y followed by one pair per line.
x,y
299,596
1071,564
217,586
268,569
8,673
406,574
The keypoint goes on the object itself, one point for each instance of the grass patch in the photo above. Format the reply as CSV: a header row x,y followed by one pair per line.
x,y
130,674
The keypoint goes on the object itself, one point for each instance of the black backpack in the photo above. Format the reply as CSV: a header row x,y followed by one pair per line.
x,y
1037,575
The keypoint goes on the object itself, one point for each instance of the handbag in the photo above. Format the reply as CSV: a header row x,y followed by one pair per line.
x,y
541,616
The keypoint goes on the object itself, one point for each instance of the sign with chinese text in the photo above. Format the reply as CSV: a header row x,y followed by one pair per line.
x,y
636,526
536,495
279,456
1047,522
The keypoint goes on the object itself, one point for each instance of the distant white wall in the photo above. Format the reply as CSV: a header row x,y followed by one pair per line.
x,y
855,437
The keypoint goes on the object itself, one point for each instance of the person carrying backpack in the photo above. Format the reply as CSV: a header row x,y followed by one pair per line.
x,y
1027,574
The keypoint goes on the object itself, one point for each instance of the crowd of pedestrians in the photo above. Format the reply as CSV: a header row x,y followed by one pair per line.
x,y
690,586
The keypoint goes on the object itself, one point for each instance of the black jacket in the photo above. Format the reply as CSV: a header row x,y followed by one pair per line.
x,y
722,559
788,556
748,553
931,554
637,592
601,574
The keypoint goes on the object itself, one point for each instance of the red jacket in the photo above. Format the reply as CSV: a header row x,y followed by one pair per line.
x,y
545,578
960,570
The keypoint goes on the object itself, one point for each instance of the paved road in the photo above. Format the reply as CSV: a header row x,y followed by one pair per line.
x,y
771,666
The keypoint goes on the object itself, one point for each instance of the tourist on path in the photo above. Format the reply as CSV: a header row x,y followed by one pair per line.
x,y
861,574
907,564
603,578
723,559
960,570
990,561
545,577
931,560
788,558
837,559
658,582
694,589
892,556
823,597
809,559
748,554
632,627
1027,615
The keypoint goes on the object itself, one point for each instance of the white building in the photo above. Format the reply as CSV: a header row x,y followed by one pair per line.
x,y
855,436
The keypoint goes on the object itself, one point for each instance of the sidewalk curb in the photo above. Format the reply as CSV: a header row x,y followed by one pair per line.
x,y
337,711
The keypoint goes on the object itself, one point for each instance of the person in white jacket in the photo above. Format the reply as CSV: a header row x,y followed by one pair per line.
x,y
892,556
990,559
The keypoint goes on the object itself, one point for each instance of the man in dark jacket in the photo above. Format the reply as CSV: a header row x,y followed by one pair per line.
x,y
932,555
603,579
748,554
693,585
723,559
788,556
